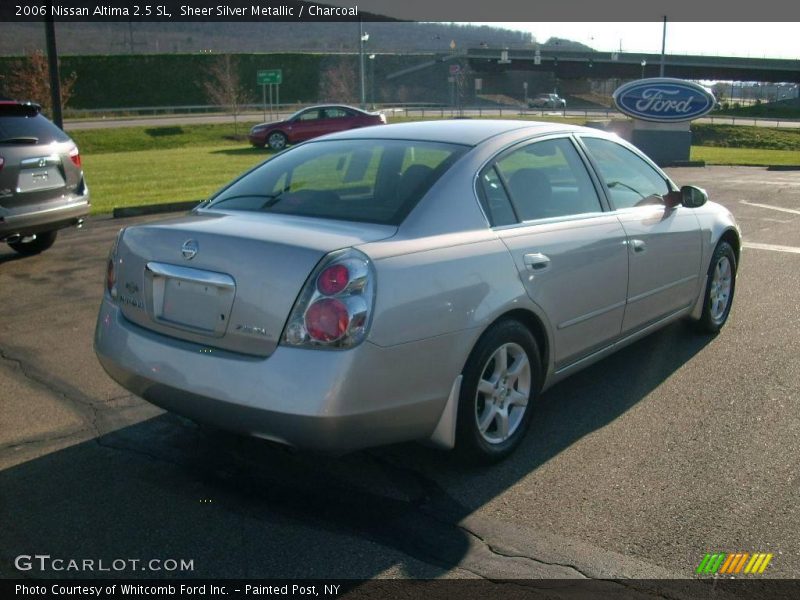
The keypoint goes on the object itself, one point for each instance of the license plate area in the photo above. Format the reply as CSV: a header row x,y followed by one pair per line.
x,y
190,299
38,179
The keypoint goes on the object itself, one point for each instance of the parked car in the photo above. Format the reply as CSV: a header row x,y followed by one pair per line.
x,y
312,122
547,101
42,188
419,281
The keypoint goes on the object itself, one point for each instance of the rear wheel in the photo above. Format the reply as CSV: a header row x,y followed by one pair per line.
x,y
502,376
719,289
34,244
277,140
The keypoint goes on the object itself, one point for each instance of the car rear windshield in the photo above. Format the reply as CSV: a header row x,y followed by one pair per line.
x,y
374,181
17,126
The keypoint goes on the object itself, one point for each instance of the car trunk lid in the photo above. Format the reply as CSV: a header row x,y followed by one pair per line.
x,y
226,280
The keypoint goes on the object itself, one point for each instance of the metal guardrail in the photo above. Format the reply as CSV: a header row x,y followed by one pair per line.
x,y
421,110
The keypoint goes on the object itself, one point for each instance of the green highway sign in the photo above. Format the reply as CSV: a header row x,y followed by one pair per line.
x,y
269,77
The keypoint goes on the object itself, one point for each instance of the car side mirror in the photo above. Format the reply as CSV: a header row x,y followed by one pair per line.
x,y
693,197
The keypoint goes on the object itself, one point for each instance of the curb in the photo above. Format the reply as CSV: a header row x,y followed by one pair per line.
x,y
687,163
783,167
153,209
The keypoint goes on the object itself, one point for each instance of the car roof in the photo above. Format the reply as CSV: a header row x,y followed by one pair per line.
x,y
331,106
468,132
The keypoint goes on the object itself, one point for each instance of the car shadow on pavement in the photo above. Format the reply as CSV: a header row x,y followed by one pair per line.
x,y
242,507
10,256
245,151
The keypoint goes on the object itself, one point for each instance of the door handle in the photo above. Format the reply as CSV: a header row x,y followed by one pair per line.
x,y
638,246
536,261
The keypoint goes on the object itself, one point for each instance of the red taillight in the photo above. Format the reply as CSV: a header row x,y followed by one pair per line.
x,y
2,162
75,156
327,320
334,306
333,280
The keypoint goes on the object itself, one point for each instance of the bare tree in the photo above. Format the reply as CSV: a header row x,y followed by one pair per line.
x,y
224,87
30,80
338,82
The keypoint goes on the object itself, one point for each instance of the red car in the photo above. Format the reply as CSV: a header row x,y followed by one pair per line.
x,y
310,123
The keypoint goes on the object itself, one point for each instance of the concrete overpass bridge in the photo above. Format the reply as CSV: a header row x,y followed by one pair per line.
x,y
570,64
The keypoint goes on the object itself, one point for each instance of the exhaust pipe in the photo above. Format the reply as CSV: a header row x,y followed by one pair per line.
x,y
12,239
79,224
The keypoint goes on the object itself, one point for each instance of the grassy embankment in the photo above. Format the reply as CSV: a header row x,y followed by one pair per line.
x,y
150,165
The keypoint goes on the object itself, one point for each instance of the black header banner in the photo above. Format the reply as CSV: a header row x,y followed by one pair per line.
x,y
150,11
389,10
390,589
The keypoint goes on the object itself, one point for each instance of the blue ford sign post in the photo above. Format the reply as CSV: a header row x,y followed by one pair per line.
x,y
662,108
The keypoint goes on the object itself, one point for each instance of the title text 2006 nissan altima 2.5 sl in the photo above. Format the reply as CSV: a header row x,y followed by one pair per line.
x,y
421,281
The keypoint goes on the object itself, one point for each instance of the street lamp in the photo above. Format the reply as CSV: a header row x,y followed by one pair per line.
x,y
644,64
372,80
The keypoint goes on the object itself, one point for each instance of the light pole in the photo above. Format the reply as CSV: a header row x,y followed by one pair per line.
x,y
644,64
372,80
663,46
362,39
52,65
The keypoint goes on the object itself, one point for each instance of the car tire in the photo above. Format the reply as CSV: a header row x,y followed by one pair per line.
x,y
720,287
277,140
38,244
495,403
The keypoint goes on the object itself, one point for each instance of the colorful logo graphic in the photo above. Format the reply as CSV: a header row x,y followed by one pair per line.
x,y
735,563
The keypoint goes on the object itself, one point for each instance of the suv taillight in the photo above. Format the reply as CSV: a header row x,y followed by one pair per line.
x,y
2,162
335,306
75,156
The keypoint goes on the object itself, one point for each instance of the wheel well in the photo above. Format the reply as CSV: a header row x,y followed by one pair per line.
x,y
536,327
732,238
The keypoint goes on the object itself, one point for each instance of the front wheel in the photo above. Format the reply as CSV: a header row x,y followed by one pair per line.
x,y
34,244
719,289
501,378
277,141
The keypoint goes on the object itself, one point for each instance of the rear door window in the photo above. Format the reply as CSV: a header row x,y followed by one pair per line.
x,y
494,199
336,113
548,179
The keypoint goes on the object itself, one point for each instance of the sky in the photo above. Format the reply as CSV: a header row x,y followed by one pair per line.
x,y
757,40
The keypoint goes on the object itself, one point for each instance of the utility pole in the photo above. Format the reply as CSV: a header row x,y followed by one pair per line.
x,y
362,37
663,46
52,63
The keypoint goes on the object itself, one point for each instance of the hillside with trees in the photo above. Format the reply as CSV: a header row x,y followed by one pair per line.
x,y
162,38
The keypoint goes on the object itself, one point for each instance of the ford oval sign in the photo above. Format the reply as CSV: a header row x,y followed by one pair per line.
x,y
663,99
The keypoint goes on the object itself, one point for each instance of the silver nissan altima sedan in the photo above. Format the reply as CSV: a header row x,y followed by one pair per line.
x,y
423,281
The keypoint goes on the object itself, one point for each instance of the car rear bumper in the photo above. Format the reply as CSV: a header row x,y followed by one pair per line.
x,y
333,401
46,218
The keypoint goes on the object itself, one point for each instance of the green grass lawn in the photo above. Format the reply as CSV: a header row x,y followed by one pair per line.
x,y
154,176
100,141
745,156
746,136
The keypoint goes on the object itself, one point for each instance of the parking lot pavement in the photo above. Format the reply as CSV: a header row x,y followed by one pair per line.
x,y
676,446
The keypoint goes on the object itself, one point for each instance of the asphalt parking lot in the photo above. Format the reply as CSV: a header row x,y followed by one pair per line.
x,y
676,446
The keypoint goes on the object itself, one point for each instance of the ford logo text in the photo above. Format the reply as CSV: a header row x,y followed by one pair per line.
x,y
663,99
